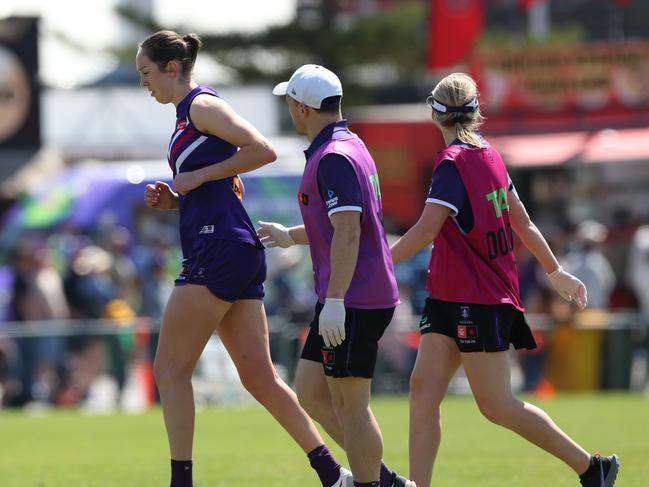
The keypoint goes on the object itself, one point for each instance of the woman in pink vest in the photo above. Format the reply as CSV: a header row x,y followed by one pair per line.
x,y
474,311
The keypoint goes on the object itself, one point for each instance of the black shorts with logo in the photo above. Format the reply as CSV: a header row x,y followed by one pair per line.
x,y
477,327
356,356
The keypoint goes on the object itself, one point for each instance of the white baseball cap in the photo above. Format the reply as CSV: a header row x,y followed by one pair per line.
x,y
310,84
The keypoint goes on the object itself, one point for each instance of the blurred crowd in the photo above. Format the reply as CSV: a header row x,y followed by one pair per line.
x,y
57,285
72,278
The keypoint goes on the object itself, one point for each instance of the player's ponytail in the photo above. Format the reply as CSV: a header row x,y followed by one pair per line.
x,y
193,43
455,104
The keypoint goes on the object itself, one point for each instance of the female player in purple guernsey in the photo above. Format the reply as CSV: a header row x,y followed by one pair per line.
x,y
220,286
474,311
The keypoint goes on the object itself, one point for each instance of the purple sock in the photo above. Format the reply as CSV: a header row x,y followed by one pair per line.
x,y
181,473
387,476
325,465
366,484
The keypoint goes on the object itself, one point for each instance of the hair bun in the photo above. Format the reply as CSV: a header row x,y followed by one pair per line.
x,y
192,39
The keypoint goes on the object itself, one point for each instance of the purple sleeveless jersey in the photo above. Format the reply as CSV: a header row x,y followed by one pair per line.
x,y
213,210
373,284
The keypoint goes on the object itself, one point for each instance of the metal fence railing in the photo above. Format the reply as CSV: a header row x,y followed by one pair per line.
x,y
108,363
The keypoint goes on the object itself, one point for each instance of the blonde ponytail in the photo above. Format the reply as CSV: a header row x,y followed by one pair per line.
x,y
455,104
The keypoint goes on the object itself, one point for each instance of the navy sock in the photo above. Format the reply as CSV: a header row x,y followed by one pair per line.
x,y
366,484
325,465
387,476
181,473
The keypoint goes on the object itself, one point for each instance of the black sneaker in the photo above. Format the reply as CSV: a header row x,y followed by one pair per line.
x,y
400,481
601,472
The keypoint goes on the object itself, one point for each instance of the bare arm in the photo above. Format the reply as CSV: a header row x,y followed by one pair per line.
x,y
344,251
298,234
530,235
422,233
277,235
212,115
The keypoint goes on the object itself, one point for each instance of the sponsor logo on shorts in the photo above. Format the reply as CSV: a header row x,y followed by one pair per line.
x,y
184,271
424,322
332,200
201,272
467,331
303,198
328,357
206,229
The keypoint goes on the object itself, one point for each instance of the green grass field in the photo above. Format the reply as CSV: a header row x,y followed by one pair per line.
x,y
244,447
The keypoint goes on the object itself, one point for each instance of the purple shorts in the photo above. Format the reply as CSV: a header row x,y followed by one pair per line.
x,y
231,270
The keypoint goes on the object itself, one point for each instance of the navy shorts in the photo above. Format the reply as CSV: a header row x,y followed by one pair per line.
x,y
356,356
478,327
231,270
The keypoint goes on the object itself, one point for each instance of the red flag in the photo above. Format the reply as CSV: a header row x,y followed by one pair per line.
x,y
454,27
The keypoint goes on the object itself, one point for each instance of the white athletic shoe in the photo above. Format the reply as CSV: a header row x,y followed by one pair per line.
x,y
400,481
346,479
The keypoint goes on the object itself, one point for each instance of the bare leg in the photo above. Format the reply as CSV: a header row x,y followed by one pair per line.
x,y
313,393
438,358
185,330
362,439
489,376
244,333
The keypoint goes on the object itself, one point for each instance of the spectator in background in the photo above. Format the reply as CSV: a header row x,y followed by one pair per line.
x,y
123,273
11,386
39,296
154,284
638,269
638,278
280,292
89,285
587,262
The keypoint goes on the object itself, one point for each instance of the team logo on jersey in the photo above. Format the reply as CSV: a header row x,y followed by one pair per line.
x,y
332,199
181,124
206,229
303,198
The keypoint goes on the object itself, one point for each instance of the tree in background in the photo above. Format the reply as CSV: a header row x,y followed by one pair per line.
x,y
386,46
